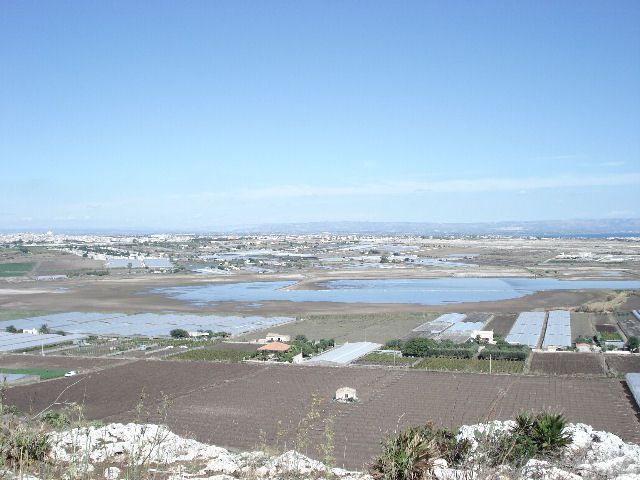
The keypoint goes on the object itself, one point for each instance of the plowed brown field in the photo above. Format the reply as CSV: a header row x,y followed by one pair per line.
x,y
229,404
623,363
567,363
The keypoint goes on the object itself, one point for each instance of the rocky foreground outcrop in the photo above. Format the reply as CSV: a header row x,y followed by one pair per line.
x,y
116,451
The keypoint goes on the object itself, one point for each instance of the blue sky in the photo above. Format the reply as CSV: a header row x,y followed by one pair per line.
x,y
182,115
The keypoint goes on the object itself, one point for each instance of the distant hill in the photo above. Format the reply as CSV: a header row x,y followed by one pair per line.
x,y
595,227
628,227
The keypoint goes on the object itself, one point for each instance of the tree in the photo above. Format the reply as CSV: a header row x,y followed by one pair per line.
x,y
583,339
633,343
11,329
179,333
301,339
44,329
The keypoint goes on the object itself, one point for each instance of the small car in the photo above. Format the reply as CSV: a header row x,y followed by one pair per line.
x,y
71,373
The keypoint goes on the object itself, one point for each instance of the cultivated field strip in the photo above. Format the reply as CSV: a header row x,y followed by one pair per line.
x,y
501,323
621,364
229,404
58,362
567,363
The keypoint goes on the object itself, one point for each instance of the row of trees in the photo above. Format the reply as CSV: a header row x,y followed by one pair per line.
x,y
181,333
427,347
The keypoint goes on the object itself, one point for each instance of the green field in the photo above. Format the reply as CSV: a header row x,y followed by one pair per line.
x,y
470,365
15,269
212,356
44,374
610,336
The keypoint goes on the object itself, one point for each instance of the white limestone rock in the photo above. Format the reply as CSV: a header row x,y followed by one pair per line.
x,y
592,454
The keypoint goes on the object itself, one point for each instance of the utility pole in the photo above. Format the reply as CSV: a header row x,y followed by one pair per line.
x,y
489,364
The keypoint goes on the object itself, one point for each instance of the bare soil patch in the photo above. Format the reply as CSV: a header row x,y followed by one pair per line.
x,y
632,303
622,364
567,363
56,362
582,324
501,323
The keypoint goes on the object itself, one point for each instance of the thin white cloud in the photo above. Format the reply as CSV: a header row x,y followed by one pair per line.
x,y
611,164
229,198
477,185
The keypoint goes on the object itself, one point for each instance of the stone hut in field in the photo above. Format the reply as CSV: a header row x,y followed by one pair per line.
x,y
346,395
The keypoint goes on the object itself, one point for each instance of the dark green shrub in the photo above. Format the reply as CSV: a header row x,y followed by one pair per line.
x,y
548,432
452,450
409,456
417,347
505,351
393,345
426,347
179,333
56,420
24,445
583,339
533,436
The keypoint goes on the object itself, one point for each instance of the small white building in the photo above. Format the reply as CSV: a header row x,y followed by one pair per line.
x,y
583,347
198,334
278,337
346,395
31,331
485,336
